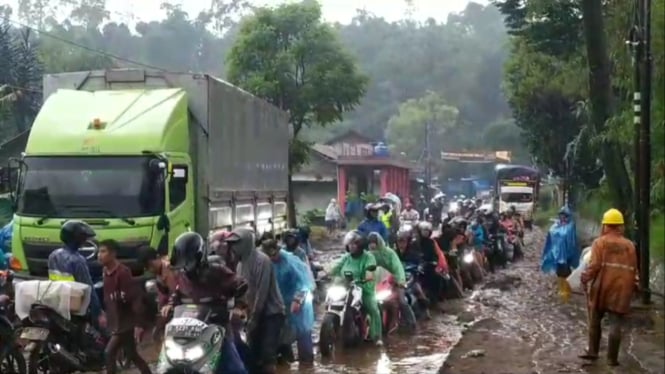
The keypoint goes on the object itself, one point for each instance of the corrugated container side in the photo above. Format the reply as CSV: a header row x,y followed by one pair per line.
x,y
248,142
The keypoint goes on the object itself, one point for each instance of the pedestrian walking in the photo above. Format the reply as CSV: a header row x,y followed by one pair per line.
x,y
122,300
611,278
333,216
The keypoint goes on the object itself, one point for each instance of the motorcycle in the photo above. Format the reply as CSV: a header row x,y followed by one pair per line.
x,y
344,316
497,251
11,355
191,342
470,269
413,272
60,345
388,300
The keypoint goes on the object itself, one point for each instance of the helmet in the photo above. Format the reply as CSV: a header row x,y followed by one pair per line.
x,y
424,225
613,217
304,232
189,251
403,234
371,206
352,236
291,233
75,233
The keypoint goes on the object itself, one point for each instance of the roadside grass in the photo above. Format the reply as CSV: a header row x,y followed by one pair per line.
x,y
543,218
594,207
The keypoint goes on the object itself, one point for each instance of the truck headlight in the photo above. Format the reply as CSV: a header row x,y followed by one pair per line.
x,y
336,293
383,295
177,353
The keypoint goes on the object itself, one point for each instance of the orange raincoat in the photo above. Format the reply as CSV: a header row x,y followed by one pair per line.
x,y
612,273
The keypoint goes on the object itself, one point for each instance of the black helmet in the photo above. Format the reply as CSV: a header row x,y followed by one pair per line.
x,y
189,251
304,231
75,233
371,207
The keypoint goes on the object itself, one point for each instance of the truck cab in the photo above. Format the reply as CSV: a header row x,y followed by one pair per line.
x,y
142,157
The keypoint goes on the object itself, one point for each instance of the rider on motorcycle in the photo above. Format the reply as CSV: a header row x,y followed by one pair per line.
x,y
409,214
409,256
434,259
371,223
303,235
389,260
67,263
199,280
359,262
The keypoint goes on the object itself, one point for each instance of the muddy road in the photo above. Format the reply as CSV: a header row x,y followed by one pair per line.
x,y
513,324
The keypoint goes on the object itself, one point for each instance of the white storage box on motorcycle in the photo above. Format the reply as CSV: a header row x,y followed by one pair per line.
x,y
64,297
575,278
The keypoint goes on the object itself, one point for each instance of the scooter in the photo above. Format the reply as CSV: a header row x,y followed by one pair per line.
x,y
11,353
344,317
192,343
389,304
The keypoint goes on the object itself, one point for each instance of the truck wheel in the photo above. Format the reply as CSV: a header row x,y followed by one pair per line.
x,y
328,334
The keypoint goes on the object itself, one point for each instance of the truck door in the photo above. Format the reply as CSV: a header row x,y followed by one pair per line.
x,y
180,201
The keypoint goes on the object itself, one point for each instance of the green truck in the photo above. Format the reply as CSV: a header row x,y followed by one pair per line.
x,y
144,156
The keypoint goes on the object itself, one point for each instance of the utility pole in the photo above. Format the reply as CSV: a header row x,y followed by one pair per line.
x,y
428,162
645,153
640,41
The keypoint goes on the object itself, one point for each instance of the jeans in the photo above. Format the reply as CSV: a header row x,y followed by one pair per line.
x,y
231,362
125,341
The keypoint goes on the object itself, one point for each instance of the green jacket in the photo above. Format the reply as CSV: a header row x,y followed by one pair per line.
x,y
358,266
388,259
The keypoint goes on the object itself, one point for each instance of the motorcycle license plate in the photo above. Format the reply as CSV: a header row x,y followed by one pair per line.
x,y
34,333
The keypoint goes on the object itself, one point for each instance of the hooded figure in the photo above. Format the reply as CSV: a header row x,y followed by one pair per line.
x,y
264,301
6,244
362,265
296,286
561,253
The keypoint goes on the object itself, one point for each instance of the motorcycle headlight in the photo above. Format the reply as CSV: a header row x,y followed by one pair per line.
x,y
151,286
177,353
383,295
468,258
336,293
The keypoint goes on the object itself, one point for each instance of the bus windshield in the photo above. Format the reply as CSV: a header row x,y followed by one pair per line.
x,y
516,197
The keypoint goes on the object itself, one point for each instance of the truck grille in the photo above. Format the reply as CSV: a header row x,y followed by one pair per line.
x,y
36,256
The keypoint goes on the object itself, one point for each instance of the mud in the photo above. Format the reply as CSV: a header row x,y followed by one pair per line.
x,y
512,324
531,331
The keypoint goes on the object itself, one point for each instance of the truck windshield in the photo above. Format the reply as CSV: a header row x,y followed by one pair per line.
x,y
88,187
516,197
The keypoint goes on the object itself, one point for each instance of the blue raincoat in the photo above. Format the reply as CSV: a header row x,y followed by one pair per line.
x,y
5,245
294,279
561,245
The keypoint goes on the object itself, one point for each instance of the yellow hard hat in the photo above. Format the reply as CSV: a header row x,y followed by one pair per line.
x,y
613,217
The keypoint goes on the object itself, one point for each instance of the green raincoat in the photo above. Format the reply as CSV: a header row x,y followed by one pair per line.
x,y
359,267
388,259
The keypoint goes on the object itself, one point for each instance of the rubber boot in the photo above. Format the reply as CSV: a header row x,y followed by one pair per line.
x,y
564,290
613,344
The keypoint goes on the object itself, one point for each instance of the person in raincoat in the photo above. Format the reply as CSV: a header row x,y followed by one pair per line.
x,y
561,253
5,245
612,278
362,265
388,259
372,223
296,286
333,216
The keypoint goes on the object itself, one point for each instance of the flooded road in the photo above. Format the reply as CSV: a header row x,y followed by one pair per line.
x,y
513,324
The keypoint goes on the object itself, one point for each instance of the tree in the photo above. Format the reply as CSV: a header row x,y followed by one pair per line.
x,y
289,57
407,131
602,104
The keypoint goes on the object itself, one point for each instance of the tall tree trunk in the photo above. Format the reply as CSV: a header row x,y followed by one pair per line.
x,y
601,98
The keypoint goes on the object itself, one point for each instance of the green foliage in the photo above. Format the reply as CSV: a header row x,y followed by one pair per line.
x,y
407,131
288,56
547,87
20,76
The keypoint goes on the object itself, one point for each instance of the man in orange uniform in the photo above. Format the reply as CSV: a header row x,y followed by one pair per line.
x,y
611,278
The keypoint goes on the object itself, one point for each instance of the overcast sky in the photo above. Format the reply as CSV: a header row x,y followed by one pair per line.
x,y
333,10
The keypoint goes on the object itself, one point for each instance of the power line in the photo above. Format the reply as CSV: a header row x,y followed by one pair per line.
x,y
85,47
